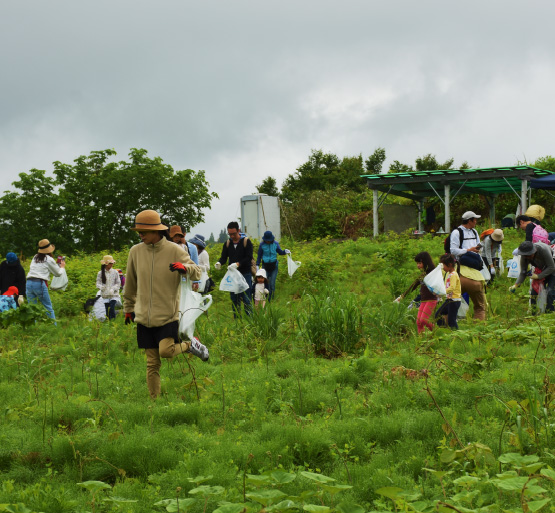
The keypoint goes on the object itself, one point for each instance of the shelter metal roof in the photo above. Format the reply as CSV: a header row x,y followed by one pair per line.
x,y
490,181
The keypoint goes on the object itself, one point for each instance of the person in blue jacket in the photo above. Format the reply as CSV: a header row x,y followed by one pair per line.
x,y
268,251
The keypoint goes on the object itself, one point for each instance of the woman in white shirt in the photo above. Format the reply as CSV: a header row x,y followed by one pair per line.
x,y
203,262
203,258
108,282
42,266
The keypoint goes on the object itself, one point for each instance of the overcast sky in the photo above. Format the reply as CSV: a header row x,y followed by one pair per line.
x,y
245,89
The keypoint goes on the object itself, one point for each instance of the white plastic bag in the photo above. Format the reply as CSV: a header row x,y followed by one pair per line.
x,y
485,273
59,282
434,281
463,309
501,268
541,299
203,280
98,310
233,281
514,269
292,266
191,306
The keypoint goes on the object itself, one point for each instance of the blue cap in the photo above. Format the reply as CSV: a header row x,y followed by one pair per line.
x,y
268,236
11,257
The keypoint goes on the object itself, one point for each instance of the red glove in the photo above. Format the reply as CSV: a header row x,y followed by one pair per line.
x,y
179,267
129,318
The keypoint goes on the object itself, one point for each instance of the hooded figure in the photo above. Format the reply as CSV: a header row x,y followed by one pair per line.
x,y
12,274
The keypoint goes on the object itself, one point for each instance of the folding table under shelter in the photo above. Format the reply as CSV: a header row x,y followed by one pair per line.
x,y
419,185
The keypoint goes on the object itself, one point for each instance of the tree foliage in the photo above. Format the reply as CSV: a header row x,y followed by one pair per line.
x,y
374,162
324,171
90,204
268,186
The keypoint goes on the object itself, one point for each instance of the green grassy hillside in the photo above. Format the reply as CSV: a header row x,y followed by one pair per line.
x,y
325,401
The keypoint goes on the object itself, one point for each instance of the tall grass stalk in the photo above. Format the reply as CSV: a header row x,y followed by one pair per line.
x,y
333,322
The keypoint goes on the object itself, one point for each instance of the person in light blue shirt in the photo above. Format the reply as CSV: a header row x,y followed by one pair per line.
x,y
177,235
267,255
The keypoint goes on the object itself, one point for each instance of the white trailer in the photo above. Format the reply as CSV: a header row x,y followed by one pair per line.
x,y
259,213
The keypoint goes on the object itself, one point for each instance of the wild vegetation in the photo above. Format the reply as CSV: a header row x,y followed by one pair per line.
x,y
326,401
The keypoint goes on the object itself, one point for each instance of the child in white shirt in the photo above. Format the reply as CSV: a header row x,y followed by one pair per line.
x,y
260,288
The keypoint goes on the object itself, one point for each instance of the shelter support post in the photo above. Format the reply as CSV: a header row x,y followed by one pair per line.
x,y
420,211
492,211
447,202
523,195
375,211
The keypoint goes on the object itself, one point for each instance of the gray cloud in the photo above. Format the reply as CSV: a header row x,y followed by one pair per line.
x,y
245,89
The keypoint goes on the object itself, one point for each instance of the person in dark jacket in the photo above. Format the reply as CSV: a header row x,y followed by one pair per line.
x,y
237,252
12,274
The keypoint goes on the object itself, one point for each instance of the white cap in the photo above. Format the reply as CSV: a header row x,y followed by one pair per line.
x,y
469,215
262,272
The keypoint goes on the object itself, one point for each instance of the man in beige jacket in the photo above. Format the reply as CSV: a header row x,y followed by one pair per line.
x,y
151,295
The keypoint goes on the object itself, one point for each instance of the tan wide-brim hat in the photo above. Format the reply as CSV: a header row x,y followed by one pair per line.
x,y
497,235
46,247
176,230
107,259
148,220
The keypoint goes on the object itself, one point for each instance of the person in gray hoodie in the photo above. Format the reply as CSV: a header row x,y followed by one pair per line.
x,y
540,257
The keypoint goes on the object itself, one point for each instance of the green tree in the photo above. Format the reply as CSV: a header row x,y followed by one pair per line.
x,y
91,203
547,163
399,167
324,171
211,239
223,236
374,162
429,163
31,214
268,186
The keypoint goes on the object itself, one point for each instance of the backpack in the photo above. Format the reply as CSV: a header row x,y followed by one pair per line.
x,y
253,261
447,241
472,260
485,233
540,234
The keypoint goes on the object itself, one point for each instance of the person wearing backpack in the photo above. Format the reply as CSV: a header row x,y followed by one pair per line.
x,y
491,250
534,231
237,252
462,240
540,257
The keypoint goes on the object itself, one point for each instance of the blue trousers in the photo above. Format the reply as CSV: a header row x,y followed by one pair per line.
x,y
110,309
244,297
272,282
37,290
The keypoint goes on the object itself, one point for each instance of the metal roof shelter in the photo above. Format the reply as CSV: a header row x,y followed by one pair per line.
x,y
419,185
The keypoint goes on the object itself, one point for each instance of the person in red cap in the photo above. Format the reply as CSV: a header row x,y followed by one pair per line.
x,y
7,300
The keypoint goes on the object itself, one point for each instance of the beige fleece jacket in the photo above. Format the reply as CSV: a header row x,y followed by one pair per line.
x,y
151,289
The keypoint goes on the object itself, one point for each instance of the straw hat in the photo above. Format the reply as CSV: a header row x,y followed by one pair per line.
x,y
497,235
107,259
148,220
46,247
176,230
